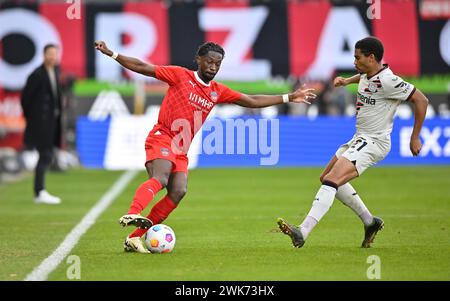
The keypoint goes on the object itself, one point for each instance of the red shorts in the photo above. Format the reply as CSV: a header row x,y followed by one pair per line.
x,y
159,146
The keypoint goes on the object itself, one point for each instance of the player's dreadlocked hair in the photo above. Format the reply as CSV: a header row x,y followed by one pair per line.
x,y
210,46
371,45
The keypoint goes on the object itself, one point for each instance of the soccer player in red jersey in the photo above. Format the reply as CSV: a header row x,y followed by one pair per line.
x,y
189,99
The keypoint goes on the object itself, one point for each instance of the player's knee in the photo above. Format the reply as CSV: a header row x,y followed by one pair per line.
x,y
163,179
330,181
177,194
321,178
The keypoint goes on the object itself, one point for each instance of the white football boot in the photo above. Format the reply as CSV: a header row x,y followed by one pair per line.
x,y
46,198
135,220
135,244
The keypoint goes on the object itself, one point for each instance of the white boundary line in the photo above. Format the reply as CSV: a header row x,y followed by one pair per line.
x,y
41,272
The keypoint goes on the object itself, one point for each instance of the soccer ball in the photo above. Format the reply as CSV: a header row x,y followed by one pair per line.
x,y
160,239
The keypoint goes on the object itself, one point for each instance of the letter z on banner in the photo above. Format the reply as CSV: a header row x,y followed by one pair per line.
x,y
243,25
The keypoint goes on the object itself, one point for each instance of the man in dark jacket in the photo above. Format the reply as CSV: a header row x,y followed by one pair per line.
x,y
41,105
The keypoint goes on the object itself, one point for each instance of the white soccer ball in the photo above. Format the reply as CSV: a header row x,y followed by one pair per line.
x,y
160,239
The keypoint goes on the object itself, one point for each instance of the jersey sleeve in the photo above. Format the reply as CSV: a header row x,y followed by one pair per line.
x,y
397,89
168,74
228,95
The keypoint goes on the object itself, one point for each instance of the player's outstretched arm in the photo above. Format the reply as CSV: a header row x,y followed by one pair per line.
x,y
260,101
130,63
342,82
420,110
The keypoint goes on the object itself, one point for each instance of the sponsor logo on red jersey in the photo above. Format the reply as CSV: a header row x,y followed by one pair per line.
x,y
202,102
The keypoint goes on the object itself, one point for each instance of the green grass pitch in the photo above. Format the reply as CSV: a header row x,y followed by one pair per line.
x,y
226,227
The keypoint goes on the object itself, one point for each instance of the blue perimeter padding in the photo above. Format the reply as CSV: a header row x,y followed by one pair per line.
x,y
302,142
91,139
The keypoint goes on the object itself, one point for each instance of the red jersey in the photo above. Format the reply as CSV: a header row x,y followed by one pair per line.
x,y
188,100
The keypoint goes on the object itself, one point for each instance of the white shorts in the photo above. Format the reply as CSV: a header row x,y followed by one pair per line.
x,y
364,151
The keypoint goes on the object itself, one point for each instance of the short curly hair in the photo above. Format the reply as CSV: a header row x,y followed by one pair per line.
x,y
210,46
371,45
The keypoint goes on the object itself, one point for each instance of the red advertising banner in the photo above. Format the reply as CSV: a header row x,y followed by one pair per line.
x,y
306,21
71,33
156,15
12,123
400,39
262,39
435,9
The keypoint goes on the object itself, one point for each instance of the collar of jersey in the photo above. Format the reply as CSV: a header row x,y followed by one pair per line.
x,y
385,66
200,80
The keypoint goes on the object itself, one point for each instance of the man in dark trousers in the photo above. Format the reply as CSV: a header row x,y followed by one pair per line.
x,y
41,105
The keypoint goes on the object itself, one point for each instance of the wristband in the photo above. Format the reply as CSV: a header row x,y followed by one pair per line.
x,y
114,55
285,98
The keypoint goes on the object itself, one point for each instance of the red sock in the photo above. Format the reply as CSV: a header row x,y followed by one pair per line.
x,y
161,210
144,195
157,215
